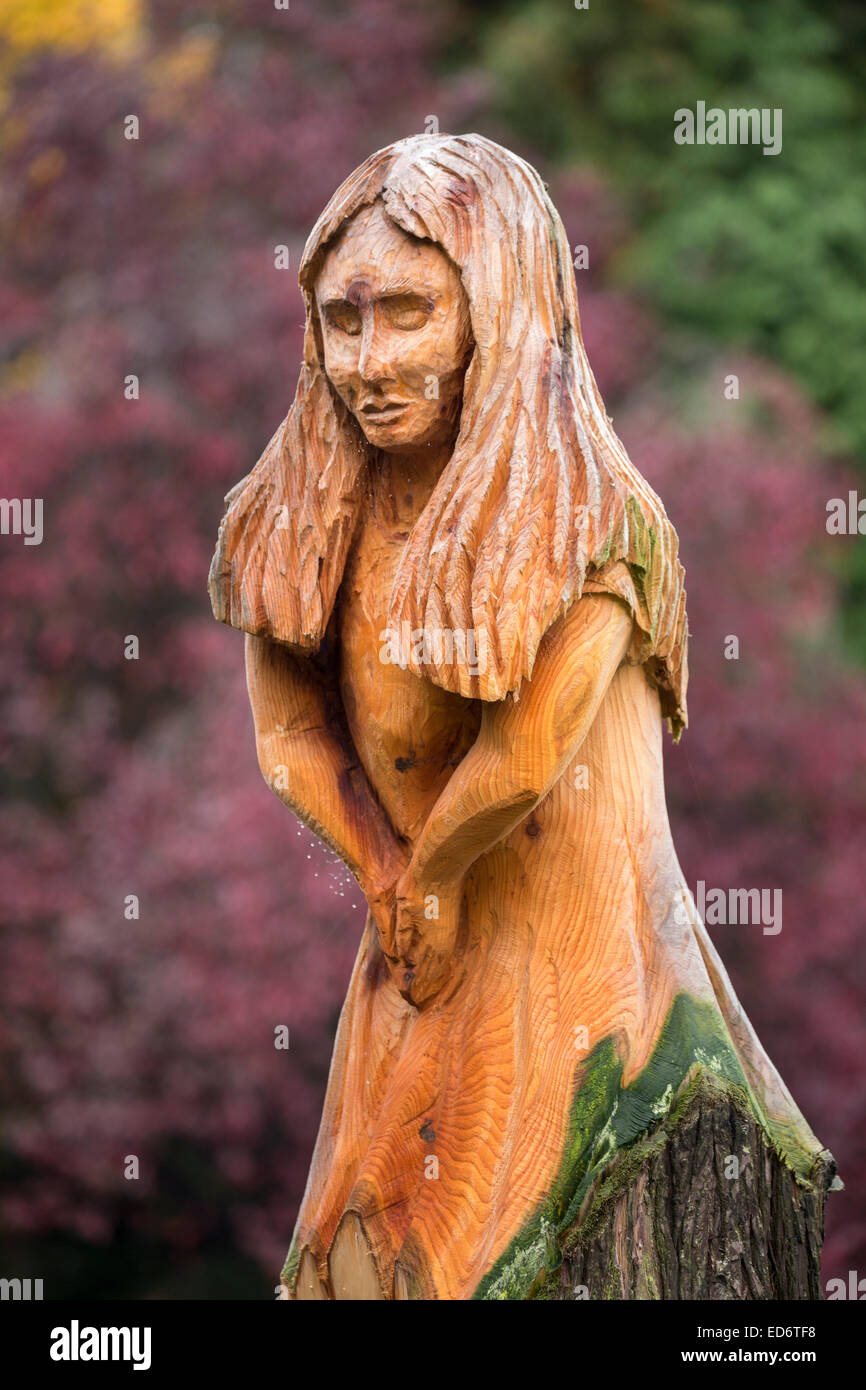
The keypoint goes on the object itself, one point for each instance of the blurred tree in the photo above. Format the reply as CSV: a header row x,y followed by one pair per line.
x,y
764,253
113,27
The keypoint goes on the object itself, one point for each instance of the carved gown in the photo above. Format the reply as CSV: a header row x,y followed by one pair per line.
x,y
473,1128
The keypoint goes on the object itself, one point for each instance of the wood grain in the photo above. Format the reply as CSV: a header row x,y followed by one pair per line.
x,y
534,985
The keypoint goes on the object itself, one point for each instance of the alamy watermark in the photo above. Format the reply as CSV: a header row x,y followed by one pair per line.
x,y
22,516
77,1343
854,1288
846,516
737,126
437,645
757,907
20,1290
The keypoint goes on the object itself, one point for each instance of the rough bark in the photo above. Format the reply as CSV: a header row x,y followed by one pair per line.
x,y
668,1220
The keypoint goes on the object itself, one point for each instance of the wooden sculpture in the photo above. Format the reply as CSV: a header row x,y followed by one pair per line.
x,y
466,626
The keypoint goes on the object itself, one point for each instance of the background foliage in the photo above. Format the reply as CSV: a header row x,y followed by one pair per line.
x,y
764,253
155,1036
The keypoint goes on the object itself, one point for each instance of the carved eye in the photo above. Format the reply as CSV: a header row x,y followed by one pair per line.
x,y
407,311
409,318
343,316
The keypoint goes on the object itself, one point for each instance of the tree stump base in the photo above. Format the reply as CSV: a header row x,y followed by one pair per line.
x,y
703,1207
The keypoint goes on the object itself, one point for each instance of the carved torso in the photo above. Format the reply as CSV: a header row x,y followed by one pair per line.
x,y
409,733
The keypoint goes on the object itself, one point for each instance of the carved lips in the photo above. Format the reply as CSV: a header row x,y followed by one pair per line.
x,y
388,411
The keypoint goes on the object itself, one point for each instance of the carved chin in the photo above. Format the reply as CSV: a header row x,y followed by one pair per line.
x,y
408,430
398,428
401,431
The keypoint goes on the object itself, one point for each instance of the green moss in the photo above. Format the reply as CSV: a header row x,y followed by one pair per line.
x,y
640,542
293,1259
608,1119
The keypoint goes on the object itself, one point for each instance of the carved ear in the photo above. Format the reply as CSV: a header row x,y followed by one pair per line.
x,y
253,574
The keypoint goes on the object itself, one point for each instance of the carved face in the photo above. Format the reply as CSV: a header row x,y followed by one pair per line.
x,y
397,337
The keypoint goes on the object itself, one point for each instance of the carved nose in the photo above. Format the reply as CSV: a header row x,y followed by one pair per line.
x,y
375,360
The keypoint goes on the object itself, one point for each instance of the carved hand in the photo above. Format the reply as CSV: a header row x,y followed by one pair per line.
x,y
379,880
382,902
427,925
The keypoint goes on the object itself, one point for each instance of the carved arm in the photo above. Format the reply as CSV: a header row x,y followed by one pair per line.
x,y
521,750
308,760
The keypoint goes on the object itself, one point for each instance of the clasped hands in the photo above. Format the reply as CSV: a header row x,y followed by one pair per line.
x,y
418,924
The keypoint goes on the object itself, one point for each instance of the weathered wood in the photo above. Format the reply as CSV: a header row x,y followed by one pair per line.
x,y
702,1208
466,631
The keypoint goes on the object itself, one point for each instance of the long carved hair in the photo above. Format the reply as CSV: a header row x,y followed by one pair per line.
x,y
538,501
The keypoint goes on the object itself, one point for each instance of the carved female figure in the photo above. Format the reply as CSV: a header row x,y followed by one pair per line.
x,y
466,627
